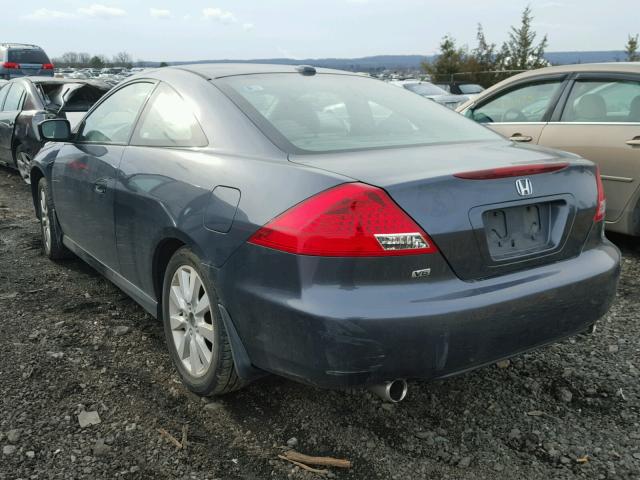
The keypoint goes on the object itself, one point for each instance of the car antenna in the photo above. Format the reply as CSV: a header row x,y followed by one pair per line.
x,y
306,70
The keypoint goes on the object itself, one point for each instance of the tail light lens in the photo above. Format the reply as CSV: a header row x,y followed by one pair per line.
x,y
602,201
514,171
350,220
47,66
11,65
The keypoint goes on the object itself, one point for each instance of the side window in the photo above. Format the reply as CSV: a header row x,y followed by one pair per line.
x,y
603,101
3,94
113,120
524,104
13,102
168,121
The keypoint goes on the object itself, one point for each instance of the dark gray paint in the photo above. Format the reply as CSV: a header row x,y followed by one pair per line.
x,y
334,321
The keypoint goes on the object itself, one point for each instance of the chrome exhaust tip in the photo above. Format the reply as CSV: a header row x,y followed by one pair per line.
x,y
393,392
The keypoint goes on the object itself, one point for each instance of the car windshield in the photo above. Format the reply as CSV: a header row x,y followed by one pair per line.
x,y
32,55
328,112
425,89
470,88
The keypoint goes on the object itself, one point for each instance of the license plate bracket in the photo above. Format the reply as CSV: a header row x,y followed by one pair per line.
x,y
518,231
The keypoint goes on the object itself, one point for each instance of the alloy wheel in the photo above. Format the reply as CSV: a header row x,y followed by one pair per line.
x,y
191,321
44,220
23,162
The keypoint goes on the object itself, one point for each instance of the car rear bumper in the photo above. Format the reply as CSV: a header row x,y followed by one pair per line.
x,y
354,334
9,74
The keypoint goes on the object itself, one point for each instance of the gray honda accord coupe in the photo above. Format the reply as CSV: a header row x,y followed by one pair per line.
x,y
323,226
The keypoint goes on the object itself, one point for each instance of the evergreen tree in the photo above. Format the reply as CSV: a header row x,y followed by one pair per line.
x,y
482,61
520,52
631,49
452,59
96,62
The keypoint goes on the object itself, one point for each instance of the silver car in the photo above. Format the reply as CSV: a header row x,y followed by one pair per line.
x,y
432,92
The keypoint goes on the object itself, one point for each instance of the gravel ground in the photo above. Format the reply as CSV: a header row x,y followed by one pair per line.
x,y
72,344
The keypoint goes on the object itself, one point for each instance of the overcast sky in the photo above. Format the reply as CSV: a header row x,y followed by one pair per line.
x,y
242,29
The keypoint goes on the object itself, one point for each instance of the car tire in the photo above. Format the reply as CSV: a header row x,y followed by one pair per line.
x,y
23,164
52,245
194,330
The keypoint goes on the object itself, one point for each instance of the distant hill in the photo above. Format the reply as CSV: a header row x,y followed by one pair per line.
x,y
566,58
408,62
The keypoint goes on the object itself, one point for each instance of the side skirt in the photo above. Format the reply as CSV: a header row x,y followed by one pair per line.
x,y
144,300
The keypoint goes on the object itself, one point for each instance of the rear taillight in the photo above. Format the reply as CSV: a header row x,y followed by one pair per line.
x,y
47,66
514,171
11,65
350,220
602,201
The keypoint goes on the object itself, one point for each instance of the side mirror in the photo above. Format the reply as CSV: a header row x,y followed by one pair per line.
x,y
55,130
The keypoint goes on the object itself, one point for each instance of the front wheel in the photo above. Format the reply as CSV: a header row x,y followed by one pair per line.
x,y
194,330
23,162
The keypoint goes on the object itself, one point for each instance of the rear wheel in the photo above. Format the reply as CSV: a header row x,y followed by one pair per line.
x,y
194,331
23,162
52,245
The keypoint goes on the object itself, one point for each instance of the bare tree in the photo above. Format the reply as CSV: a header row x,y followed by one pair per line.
x,y
84,58
70,59
122,59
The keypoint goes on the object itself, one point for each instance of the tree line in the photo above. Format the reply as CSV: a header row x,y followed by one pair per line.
x,y
487,64
86,60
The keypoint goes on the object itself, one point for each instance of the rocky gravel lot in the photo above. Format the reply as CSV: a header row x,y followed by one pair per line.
x,y
86,384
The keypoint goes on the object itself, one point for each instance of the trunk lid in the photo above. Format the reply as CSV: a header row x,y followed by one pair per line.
x,y
483,227
73,100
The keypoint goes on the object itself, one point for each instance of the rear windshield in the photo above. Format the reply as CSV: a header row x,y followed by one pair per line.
x,y
31,55
470,88
326,112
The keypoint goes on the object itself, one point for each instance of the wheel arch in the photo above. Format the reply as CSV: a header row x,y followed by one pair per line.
x,y
634,220
162,254
36,175
15,143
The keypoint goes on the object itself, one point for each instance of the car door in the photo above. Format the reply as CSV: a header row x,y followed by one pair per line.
x,y
10,111
600,120
84,171
521,111
154,181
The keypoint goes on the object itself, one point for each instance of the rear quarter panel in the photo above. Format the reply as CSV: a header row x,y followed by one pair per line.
x,y
165,193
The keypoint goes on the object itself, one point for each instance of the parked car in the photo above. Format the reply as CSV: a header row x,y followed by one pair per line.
x,y
270,236
21,60
26,101
430,91
470,90
590,109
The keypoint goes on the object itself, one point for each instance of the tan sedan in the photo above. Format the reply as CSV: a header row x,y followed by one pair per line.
x,y
590,109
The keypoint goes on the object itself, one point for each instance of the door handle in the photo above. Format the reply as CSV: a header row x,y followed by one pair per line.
x,y
634,142
518,137
100,187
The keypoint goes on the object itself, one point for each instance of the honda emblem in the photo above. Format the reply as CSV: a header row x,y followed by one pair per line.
x,y
524,187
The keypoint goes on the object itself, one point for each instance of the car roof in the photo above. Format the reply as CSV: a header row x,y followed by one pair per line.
x,y
22,46
611,67
61,81
618,67
219,70
53,80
